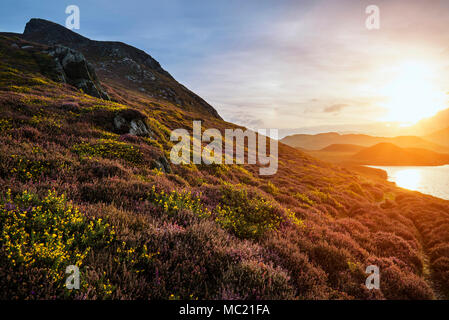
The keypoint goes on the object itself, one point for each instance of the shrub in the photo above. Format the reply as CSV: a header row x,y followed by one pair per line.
x,y
306,202
106,105
30,169
390,245
175,201
100,168
255,280
271,188
356,188
246,216
440,268
48,233
46,122
398,284
5,124
111,149
324,197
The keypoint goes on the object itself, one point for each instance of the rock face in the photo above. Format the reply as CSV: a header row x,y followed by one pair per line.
x,y
51,33
77,71
131,122
162,164
135,127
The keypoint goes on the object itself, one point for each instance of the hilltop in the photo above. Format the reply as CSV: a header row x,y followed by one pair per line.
x,y
85,179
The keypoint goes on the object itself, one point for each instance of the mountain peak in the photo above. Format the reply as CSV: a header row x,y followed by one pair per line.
x,y
51,33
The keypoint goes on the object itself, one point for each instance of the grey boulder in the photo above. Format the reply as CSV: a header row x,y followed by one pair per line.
x,y
74,69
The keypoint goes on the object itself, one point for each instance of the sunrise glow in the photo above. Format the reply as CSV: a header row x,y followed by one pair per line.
x,y
408,178
412,95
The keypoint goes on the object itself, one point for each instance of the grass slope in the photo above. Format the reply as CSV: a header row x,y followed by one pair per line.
x,y
74,191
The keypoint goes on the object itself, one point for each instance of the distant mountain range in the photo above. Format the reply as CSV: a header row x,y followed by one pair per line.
x,y
432,149
388,154
440,137
322,140
382,154
343,148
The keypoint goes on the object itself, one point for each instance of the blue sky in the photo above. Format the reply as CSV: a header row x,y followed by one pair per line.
x,y
279,64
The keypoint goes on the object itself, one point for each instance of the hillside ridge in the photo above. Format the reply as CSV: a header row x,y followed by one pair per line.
x,y
125,65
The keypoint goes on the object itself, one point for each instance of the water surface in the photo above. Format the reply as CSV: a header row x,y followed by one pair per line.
x,y
428,180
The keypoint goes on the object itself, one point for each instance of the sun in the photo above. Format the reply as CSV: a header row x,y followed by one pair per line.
x,y
412,94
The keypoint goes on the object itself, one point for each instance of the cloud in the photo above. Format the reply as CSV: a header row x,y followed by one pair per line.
x,y
335,108
288,64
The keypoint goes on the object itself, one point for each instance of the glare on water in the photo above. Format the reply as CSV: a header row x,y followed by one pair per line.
x,y
407,178
429,180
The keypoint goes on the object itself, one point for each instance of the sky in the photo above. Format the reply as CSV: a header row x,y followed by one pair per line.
x,y
299,66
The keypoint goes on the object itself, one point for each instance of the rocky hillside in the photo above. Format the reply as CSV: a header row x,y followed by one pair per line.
x,y
120,64
86,181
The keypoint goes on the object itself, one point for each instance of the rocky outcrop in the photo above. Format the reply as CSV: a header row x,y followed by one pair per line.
x,y
162,164
73,68
131,122
50,33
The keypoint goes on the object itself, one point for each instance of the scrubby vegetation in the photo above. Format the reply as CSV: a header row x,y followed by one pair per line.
x,y
49,233
107,148
140,231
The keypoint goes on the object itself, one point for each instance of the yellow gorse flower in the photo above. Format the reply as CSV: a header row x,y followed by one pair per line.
x,y
51,234
174,201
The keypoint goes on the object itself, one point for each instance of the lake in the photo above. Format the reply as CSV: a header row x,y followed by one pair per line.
x,y
428,180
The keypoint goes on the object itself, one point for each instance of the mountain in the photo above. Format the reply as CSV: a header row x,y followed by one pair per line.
x,y
429,125
121,64
86,181
336,153
322,140
342,148
385,153
440,137
388,154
